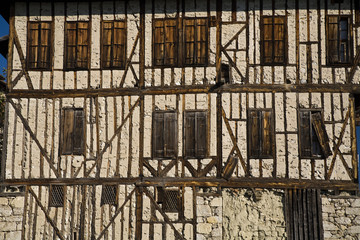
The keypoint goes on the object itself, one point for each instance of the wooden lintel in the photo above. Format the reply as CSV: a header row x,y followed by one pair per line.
x,y
229,88
244,182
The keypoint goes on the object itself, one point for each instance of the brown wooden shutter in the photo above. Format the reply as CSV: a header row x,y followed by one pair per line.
x,y
67,131
82,44
119,45
170,42
78,136
266,133
305,140
319,127
267,44
39,46
201,136
279,39
201,40
333,38
33,45
170,134
158,135
189,43
357,12
70,61
106,44
254,133
159,39
189,134
45,45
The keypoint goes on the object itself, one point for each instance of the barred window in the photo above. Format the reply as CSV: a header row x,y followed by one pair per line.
x,y
39,45
170,199
113,44
109,194
77,38
56,196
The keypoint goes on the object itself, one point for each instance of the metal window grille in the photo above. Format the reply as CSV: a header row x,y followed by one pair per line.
x,y
108,195
56,196
171,201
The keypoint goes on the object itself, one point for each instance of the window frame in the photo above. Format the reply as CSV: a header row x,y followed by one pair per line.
x,y
338,40
39,44
154,144
261,137
301,151
196,155
262,42
112,44
180,33
66,46
62,129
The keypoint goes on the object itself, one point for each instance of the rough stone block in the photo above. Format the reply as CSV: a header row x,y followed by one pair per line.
x,y
216,202
212,220
17,202
343,220
356,203
353,211
328,209
3,201
203,210
354,229
329,226
8,226
204,228
16,235
5,211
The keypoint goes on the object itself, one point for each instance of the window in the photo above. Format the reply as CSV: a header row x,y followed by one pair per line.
x,y
164,134
303,214
260,133
113,53
72,131
56,196
39,45
357,12
109,194
77,45
195,124
273,40
170,199
339,42
313,138
168,41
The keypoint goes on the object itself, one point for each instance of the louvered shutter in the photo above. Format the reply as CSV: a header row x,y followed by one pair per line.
x,y
319,127
106,44
254,133
266,133
78,136
170,42
189,25
305,140
119,45
158,134
82,45
279,39
70,61
159,38
45,43
201,136
267,46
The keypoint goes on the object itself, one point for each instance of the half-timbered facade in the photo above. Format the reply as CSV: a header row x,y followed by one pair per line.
x,y
141,119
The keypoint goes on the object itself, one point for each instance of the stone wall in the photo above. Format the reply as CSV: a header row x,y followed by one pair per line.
x,y
11,215
341,217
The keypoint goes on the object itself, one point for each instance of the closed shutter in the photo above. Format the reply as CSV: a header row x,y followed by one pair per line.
x,y
67,131
279,39
201,136
70,61
266,133
78,136
39,47
159,38
158,135
106,44
305,141
267,44
82,45
119,45
189,29
201,41
319,127
190,134
33,45
254,133
170,134
170,42
333,48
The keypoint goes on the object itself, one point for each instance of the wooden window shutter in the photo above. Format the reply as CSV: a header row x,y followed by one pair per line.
x,y
170,134
158,135
305,141
357,12
106,44
113,44
201,136
77,45
190,134
78,136
267,137
319,127
267,45
56,196
254,133
279,39
303,214
72,132
189,41
70,61
109,194
170,42
82,44
67,131
159,39
201,40
39,46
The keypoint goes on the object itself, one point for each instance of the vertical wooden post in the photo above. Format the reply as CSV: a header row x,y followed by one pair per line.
x,y
11,45
141,85
353,137
139,205
218,79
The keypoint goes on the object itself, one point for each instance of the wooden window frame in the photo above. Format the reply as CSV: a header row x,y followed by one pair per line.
x,y
112,45
349,41
76,66
180,33
39,45
57,203
197,153
164,132
261,154
63,142
284,40
312,155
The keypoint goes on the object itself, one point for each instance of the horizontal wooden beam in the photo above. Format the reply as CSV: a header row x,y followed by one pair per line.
x,y
228,88
200,182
